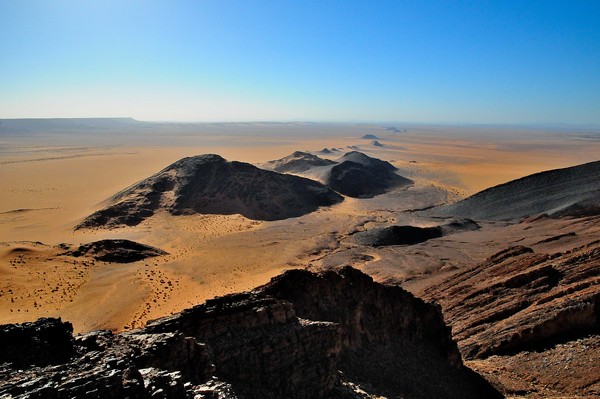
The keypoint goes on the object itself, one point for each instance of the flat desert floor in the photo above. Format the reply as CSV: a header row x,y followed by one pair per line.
x,y
51,180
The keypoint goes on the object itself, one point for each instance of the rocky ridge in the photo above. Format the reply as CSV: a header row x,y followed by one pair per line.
x,y
303,335
573,191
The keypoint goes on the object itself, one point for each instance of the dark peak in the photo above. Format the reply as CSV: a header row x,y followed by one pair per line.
x,y
370,137
359,157
118,251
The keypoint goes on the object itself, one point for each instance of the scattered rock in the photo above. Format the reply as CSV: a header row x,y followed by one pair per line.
x,y
118,251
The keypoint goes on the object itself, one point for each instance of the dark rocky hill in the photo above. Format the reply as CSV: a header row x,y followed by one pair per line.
x,y
358,175
303,335
116,250
210,184
409,235
354,174
573,191
298,162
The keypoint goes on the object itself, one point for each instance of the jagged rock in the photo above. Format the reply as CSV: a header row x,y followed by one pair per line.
x,y
210,184
119,251
519,300
287,339
573,191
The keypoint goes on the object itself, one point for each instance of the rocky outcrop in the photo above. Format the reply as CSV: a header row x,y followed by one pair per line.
x,y
573,191
409,235
210,184
358,175
298,162
118,251
354,174
304,335
519,300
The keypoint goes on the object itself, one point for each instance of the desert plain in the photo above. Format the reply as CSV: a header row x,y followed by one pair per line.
x,y
52,178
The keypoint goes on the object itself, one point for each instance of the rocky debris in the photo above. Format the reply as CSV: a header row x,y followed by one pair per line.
x,y
210,184
519,300
118,251
410,235
298,162
304,335
573,191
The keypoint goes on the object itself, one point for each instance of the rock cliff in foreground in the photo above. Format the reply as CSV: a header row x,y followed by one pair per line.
x,y
303,335
210,184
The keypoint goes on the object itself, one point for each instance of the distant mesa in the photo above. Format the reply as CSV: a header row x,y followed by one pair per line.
x,y
325,151
573,191
209,184
410,235
298,162
376,143
370,137
352,147
117,251
395,130
354,174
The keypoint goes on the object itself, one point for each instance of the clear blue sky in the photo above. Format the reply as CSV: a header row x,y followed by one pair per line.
x,y
481,61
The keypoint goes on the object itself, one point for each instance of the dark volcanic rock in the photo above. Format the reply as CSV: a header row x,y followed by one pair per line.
x,y
396,235
210,184
358,175
573,191
376,143
288,339
298,162
409,235
118,251
370,137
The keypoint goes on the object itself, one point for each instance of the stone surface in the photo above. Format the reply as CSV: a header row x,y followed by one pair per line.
x,y
531,315
303,335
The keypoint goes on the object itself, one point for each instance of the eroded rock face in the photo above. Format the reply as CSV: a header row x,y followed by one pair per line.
x,y
303,335
519,300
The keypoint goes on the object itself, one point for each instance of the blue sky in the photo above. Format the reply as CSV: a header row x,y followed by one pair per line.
x,y
416,61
